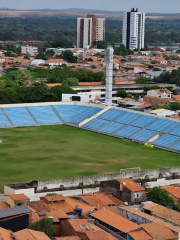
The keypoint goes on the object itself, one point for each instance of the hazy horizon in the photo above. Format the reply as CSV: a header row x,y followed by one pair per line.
x,y
149,6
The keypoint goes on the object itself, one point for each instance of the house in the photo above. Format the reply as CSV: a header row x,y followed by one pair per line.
x,y
15,218
117,224
152,231
162,93
17,200
125,189
28,234
55,62
156,100
174,191
31,50
5,234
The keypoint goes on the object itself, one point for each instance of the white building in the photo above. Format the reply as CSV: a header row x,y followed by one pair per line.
x,y
55,62
31,50
37,62
133,29
162,93
89,30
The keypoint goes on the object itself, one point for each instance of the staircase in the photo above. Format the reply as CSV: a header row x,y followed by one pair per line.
x,y
30,113
7,117
57,114
93,117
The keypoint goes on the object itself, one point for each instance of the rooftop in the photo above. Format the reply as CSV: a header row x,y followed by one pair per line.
x,y
18,197
80,225
28,234
115,220
174,190
54,198
131,185
9,212
140,235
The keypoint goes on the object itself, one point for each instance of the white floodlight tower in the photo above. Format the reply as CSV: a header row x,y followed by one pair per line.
x,y
109,75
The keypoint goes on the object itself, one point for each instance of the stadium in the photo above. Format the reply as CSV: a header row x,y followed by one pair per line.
x,y
76,138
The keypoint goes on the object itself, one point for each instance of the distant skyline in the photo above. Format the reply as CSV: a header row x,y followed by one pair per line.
x,y
151,6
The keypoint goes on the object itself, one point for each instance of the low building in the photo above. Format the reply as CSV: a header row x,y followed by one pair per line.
x,y
174,191
28,234
125,189
156,100
55,62
162,93
31,50
14,200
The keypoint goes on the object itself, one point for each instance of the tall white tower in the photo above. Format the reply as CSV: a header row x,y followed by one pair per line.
x,y
133,29
109,75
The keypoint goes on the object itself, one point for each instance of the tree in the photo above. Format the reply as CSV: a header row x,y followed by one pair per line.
x,y
69,57
41,56
59,90
122,93
50,53
136,96
70,82
161,196
44,225
100,44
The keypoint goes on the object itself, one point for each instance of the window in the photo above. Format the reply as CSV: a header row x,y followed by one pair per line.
x,y
137,195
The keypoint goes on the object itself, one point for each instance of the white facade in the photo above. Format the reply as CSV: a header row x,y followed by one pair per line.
x,y
133,29
80,98
160,93
109,75
37,62
100,31
89,31
31,50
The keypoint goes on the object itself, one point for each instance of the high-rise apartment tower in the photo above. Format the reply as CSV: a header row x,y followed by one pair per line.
x,y
133,29
90,30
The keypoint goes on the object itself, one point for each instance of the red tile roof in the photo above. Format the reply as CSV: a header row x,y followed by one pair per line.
x,y
174,190
140,235
28,234
17,197
131,185
54,198
5,234
4,205
115,220
77,223
97,235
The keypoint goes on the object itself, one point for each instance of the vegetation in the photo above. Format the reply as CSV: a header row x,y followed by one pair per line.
x,y
44,225
171,106
68,56
71,82
60,151
121,50
161,196
122,93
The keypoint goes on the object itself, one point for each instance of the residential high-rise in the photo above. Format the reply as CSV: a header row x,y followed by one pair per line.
x,y
133,29
89,30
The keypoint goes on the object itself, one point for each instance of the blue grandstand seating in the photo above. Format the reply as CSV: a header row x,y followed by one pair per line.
x,y
76,114
175,131
95,124
144,135
19,116
144,121
3,120
160,125
111,114
176,146
128,117
171,128
127,131
111,127
166,140
44,115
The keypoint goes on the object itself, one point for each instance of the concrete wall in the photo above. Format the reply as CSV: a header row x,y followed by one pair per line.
x,y
28,192
169,173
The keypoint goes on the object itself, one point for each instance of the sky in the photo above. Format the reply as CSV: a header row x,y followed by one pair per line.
x,y
154,6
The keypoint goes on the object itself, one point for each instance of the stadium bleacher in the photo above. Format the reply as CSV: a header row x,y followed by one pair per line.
x,y
127,131
19,116
166,140
128,117
111,127
75,114
119,122
3,120
44,115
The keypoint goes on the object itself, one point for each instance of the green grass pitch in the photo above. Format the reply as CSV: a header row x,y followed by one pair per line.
x,y
49,152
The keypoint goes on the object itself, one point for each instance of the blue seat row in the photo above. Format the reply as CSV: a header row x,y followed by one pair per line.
x,y
176,146
175,131
111,127
144,121
95,123
127,131
3,120
19,116
127,117
166,140
171,127
160,125
111,114
76,114
144,135
44,115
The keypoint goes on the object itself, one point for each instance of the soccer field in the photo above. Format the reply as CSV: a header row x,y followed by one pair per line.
x,y
49,152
